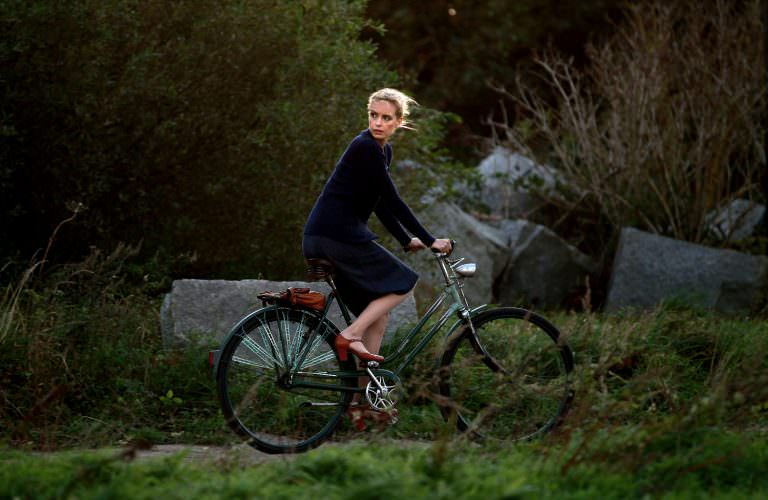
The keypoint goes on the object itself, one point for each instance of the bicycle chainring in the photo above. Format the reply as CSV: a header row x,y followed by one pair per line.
x,y
382,400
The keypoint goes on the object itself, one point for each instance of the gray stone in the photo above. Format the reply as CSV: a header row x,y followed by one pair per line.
x,y
518,262
476,242
736,221
506,180
543,270
205,310
649,269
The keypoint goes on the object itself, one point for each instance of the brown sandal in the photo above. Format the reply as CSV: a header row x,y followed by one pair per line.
x,y
344,346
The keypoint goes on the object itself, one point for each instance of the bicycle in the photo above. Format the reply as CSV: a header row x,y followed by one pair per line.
x,y
502,375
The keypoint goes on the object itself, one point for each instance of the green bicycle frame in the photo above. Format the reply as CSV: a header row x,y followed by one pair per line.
x,y
459,307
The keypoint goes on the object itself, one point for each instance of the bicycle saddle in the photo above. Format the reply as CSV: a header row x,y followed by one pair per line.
x,y
319,269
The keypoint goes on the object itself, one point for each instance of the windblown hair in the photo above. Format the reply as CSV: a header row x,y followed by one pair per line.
x,y
398,99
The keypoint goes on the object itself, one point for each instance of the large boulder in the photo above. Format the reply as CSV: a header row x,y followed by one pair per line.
x,y
649,269
205,310
543,270
506,177
518,262
476,242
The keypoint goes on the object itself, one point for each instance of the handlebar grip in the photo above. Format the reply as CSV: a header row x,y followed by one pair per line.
x,y
453,247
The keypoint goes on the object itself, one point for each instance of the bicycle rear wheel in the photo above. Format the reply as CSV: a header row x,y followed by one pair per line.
x,y
513,383
269,378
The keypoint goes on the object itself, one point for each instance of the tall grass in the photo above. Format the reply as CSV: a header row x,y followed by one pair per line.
x,y
393,470
82,361
9,305
82,364
659,376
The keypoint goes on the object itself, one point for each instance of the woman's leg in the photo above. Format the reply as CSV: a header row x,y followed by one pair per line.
x,y
370,325
374,335
372,339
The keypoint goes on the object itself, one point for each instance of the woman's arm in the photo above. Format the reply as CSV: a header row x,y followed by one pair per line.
x,y
392,225
372,159
395,204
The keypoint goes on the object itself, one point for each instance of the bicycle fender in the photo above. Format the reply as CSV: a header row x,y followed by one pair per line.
x,y
472,313
214,356
455,326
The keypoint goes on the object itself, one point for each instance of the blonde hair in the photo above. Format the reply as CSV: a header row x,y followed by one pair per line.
x,y
399,100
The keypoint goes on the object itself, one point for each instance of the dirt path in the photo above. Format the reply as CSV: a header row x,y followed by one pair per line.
x,y
240,455
243,455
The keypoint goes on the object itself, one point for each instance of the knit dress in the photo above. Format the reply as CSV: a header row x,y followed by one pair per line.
x,y
337,228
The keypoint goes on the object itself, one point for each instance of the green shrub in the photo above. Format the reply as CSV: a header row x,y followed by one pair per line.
x,y
84,363
201,128
720,466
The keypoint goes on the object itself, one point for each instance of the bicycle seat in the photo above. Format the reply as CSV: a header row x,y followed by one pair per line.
x,y
319,269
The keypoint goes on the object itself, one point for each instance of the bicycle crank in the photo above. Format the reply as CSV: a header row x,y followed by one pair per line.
x,y
381,391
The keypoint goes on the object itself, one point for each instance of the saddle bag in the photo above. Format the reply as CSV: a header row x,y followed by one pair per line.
x,y
295,296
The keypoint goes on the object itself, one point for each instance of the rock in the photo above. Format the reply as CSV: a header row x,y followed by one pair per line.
x,y
518,262
543,270
477,242
205,310
506,177
736,221
649,269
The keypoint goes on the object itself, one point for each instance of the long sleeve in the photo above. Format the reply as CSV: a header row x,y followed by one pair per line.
x,y
404,214
359,186
390,198
392,225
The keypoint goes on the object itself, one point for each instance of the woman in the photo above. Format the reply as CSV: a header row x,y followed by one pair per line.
x,y
370,279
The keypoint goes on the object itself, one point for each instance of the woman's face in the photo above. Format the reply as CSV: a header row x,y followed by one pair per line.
x,y
382,120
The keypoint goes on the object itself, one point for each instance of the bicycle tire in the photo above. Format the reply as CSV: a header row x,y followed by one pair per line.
x,y
513,384
253,369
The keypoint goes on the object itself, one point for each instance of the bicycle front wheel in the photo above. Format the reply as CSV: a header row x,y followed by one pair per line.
x,y
510,382
279,380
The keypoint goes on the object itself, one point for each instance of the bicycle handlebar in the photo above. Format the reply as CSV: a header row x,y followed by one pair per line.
x,y
436,251
453,247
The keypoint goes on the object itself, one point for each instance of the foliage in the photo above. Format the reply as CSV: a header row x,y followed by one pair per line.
x,y
664,125
668,374
84,364
731,466
450,50
203,129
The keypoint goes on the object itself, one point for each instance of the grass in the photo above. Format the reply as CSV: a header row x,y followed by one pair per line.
x,y
731,466
85,366
670,402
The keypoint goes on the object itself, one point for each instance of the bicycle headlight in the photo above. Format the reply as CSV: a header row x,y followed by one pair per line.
x,y
466,270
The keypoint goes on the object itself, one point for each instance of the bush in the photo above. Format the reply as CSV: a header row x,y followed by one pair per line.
x,y
203,128
82,361
730,467
663,126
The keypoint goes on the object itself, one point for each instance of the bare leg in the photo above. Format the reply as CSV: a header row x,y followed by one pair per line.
x,y
374,335
374,318
375,312
372,340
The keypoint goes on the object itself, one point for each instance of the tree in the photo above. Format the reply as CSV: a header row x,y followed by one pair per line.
x,y
452,49
203,128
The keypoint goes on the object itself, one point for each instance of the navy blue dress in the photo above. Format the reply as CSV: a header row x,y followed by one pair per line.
x,y
337,228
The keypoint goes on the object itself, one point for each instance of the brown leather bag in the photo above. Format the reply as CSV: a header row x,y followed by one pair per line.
x,y
296,296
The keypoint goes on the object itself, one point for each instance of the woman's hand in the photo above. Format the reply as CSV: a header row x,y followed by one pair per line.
x,y
415,244
442,245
